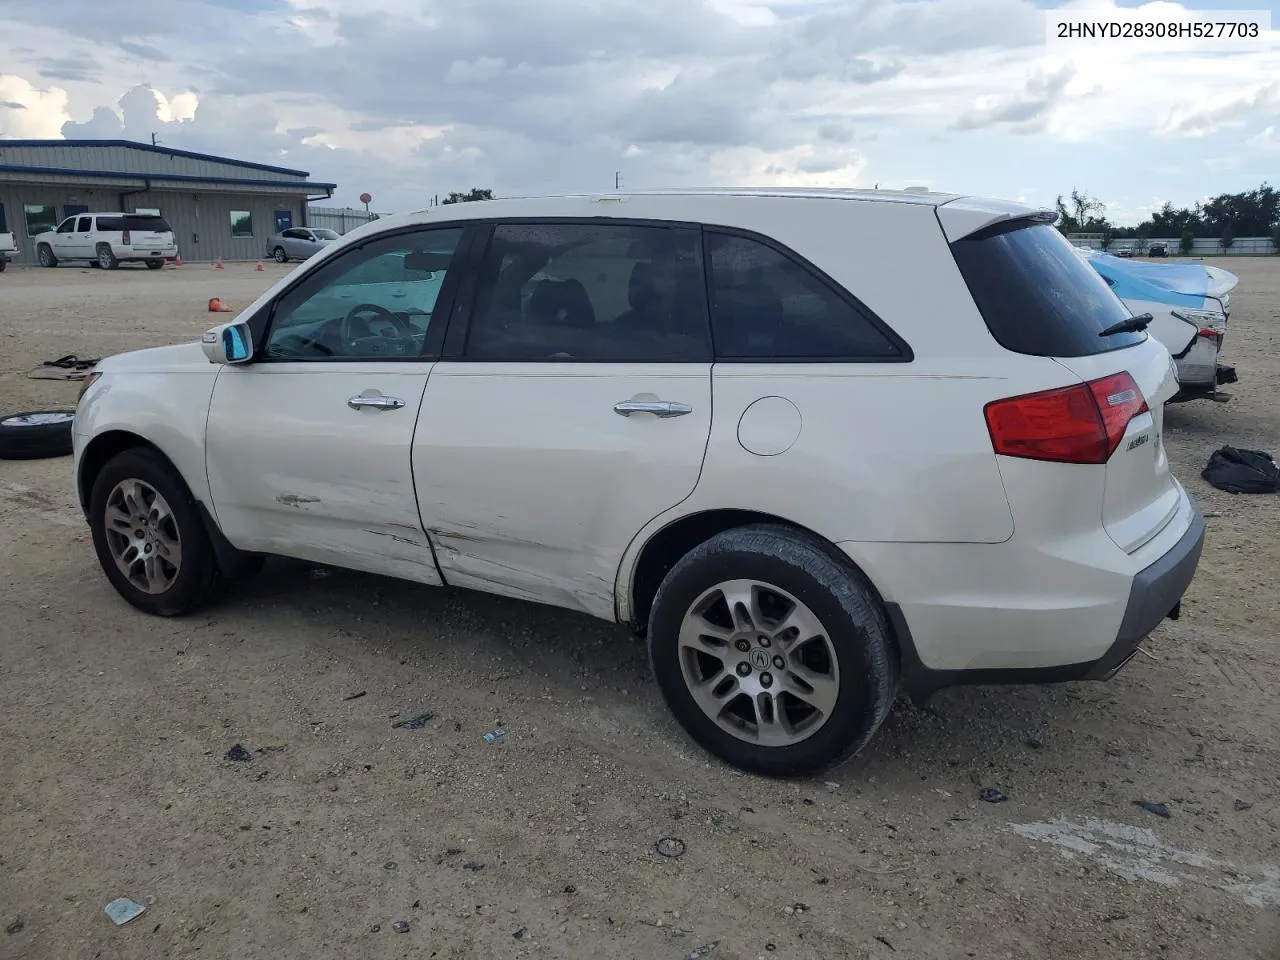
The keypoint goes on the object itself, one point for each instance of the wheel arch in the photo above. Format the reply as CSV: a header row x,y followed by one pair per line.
x,y
664,547
110,443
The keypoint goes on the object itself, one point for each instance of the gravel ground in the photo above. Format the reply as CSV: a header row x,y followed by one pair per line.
x,y
114,780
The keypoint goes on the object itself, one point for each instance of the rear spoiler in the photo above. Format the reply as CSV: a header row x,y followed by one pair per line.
x,y
965,216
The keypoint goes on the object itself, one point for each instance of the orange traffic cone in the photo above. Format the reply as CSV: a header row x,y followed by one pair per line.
x,y
217,306
177,261
259,267
218,264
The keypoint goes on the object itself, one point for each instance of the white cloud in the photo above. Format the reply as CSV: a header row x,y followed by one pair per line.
x,y
406,99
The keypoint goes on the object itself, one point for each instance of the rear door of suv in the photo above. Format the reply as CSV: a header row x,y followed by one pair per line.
x,y
1038,298
572,406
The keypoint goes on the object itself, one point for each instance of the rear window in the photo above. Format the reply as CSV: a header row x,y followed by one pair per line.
x,y
153,224
1036,295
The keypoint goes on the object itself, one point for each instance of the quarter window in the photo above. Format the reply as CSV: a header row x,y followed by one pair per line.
x,y
765,304
590,292
40,217
241,223
372,303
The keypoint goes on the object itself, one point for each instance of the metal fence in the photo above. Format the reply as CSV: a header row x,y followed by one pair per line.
x,y
1201,247
340,219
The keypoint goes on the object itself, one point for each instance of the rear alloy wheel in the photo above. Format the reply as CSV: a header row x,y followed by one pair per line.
x,y
35,435
279,255
106,259
771,652
150,540
44,254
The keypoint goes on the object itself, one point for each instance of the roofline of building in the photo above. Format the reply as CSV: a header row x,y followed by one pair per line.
x,y
152,148
168,177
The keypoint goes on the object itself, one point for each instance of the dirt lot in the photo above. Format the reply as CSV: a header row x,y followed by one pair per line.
x,y
113,780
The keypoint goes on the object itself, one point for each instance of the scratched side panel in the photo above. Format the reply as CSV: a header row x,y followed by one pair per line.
x,y
295,471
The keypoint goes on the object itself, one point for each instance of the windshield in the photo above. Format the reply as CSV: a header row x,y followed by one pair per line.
x,y
325,234
1037,295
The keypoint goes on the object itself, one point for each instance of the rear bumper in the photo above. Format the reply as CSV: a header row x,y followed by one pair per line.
x,y
1155,593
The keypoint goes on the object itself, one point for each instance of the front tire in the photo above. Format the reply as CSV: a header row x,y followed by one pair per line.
x,y
149,537
772,653
44,254
106,259
279,255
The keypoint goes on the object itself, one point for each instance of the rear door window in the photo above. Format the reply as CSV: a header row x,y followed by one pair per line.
x,y
1036,296
591,291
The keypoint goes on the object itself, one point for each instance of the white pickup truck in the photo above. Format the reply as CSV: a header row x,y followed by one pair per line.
x,y
8,247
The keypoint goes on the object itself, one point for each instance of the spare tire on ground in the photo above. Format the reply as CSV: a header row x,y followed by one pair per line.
x,y
36,434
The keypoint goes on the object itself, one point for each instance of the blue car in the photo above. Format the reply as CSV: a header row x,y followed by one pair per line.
x,y
1189,304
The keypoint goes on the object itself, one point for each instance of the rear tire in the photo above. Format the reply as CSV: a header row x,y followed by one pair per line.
x,y
106,259
44,254
279,255
154,264
799,677
149,537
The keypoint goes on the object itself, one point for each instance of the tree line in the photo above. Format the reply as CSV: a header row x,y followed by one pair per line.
x,y
1253,213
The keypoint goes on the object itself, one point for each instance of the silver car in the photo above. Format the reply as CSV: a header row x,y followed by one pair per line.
x,y
298,243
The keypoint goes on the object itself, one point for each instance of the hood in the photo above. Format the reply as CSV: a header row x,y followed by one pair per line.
x,y
179,358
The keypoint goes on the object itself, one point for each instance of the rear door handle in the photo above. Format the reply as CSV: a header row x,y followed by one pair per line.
x,y
377,402
659,408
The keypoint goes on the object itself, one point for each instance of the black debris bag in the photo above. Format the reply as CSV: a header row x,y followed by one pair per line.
x,y
1242,471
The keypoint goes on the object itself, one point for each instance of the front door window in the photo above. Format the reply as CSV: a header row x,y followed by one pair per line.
x,y
375,302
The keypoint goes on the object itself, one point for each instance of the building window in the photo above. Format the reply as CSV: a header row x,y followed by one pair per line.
x,y
40,217
150,211
241,223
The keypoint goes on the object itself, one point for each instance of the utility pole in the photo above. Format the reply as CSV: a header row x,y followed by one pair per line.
x,y
154,141
617,180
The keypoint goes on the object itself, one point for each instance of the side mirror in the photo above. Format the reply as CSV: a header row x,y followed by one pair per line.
x,y
229,343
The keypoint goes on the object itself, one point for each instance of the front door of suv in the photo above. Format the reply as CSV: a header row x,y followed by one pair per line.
x,y
308,446
571,408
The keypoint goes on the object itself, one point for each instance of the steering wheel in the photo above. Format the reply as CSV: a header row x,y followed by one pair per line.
x,y
402,326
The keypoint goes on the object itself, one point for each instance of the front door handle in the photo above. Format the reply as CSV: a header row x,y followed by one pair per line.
x,y
377,402
659,408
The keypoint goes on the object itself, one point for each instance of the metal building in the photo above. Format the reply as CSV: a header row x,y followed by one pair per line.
x,y
218,207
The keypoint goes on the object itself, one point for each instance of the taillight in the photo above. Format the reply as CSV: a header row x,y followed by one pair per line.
x,y
1212,334
1079,424
125,239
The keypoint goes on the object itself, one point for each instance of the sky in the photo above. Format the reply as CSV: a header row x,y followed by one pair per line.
x,y
407,99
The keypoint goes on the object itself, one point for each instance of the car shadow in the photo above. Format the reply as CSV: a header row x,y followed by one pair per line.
x,y
969,735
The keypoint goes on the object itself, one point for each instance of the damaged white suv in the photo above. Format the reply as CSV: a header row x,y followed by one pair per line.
x,y
813,471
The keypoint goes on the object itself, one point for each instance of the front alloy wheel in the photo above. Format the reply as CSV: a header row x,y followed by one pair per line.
x,y
143,536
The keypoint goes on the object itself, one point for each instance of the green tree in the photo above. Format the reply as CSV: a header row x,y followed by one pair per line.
x,y
1228,238
1187,242
475,193
1082,214
1275,237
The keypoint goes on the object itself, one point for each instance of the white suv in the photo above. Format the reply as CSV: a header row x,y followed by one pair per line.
x,y
811,468
108,240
